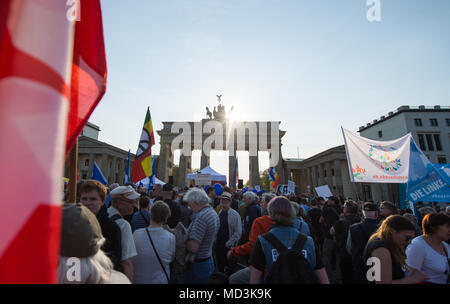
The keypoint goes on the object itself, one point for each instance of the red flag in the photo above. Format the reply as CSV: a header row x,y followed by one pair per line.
x,y
36,55
88,70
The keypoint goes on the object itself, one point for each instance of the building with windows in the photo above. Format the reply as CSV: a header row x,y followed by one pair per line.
x,y
110,159
430,128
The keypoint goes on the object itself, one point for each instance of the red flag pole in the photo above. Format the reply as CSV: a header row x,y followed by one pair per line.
x,y
73,167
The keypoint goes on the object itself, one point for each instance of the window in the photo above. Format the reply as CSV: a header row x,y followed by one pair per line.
x,y
418,122
422,142
448,122
380,133
84,176
430,142
433,122
332,171
437,141
442,160
86,163
325,173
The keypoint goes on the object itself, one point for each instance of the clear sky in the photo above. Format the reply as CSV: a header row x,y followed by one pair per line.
x,y
314,65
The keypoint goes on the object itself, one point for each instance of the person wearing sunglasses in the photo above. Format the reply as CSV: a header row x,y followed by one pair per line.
x,y
430,253
385,253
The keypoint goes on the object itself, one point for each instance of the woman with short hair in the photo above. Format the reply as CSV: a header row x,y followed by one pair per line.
x,y
387,245
155,248
430,253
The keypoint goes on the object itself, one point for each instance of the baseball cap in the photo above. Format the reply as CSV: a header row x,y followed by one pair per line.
x,y
80,232
370,207
226,194
126,192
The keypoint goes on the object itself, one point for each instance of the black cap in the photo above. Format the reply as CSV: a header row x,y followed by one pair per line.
x,y
370,207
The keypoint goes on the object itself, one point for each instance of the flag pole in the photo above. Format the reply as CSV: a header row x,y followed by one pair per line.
x,y
73,173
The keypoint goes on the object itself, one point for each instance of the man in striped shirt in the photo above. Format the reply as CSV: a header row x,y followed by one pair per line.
x,y
201,236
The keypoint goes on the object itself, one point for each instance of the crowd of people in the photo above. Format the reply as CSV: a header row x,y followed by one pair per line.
x,y
127,234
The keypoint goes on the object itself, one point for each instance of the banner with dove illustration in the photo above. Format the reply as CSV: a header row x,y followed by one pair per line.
x,y
372,161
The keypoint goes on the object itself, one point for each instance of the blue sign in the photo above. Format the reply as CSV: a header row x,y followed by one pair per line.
x,y
425,180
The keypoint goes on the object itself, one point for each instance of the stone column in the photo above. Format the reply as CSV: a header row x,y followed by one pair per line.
x,y
113,171
204,161
321,175
329,177
163,162
254,171
104,166
231,170
375,190
348,188
314,178
91,165
183,168
307,178
337,178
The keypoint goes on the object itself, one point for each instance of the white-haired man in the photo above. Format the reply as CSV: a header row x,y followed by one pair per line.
x,y
202,233
123,202
252,212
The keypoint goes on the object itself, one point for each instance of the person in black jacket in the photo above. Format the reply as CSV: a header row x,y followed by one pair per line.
x,y
93,196
358,236
169,198
340,233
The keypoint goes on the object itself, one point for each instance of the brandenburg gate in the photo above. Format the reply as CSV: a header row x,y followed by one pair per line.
x,y
216,132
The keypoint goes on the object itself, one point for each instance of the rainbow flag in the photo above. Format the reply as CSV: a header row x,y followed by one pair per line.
x,y
273,177
142,166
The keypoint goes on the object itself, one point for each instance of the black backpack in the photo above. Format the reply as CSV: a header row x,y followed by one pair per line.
x,y
291,266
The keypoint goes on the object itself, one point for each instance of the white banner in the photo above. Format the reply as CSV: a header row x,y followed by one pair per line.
x,y
324,191
202,179
291,187
372,161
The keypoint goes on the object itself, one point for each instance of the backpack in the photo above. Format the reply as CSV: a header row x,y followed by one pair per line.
x,y
291,266
182,257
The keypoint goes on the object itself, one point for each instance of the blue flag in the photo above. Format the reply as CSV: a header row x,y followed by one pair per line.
x,y
424,180
98,175
127,170
444,195
152,177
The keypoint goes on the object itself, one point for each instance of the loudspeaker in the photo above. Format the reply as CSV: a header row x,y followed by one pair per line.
x,y
240,183
171,179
